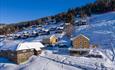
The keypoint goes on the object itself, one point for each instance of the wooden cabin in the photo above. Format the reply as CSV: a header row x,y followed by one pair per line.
x,y
22,52
80,45
50,40
80,41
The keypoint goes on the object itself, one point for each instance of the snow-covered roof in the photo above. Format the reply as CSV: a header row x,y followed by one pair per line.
x,y
67,23
30,45
83,20
2,36
60,27
52,36
79,36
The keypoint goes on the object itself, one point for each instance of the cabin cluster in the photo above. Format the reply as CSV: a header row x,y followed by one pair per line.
x,y
81,21
36,31
78,45
39,30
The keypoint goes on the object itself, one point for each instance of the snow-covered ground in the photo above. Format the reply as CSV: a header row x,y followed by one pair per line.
x,y
49,61
100,30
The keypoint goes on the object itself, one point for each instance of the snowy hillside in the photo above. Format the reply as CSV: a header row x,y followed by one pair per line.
x,y
100,30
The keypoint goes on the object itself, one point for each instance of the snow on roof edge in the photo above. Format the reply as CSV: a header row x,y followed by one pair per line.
x,y
80,35
30,45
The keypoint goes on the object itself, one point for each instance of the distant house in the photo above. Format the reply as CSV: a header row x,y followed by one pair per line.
x,y
52,29
43,32
50,40
22,52
10,36
17,36
59,30
80,21
25,34
33,33
80,45
2,36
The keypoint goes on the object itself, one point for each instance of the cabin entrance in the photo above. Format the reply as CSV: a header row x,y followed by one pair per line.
x,y
35,52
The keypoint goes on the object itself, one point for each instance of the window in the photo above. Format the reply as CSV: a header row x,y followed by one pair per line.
x,y
85,42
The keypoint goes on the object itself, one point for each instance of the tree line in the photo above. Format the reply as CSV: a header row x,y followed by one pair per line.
x,y
98,7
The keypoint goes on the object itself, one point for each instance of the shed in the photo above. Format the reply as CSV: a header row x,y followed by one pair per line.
x,y
22,52
50,40
31,45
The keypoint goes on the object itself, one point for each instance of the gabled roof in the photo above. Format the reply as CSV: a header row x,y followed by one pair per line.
x,y
53,36
79,36
30,45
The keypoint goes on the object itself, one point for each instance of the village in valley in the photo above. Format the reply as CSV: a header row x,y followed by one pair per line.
x,y
76,42
51,39
55,37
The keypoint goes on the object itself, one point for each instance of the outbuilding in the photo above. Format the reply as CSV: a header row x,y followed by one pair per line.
x,y
22,51
50,40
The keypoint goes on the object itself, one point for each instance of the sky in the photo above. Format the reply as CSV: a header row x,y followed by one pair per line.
x,y
14,11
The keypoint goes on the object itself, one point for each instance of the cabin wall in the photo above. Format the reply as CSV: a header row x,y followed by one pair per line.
x,y
24,55
17,56
53,40
81,42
